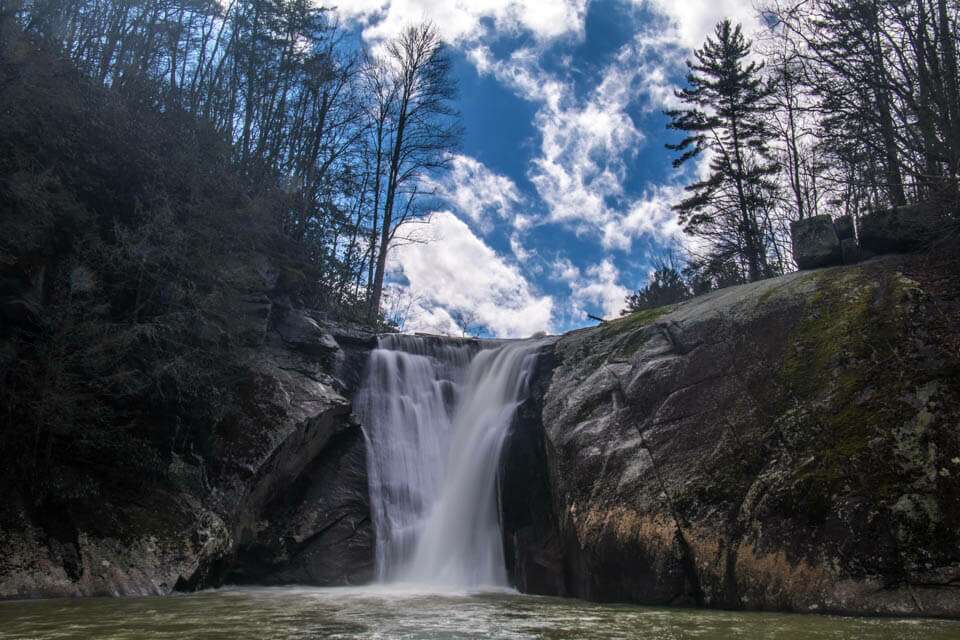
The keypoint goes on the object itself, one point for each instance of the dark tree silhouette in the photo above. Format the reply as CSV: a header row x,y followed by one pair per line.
x,y
425,130
727,98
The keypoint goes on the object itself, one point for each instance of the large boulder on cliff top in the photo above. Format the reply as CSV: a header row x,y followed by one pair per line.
x,y
815,242
901,229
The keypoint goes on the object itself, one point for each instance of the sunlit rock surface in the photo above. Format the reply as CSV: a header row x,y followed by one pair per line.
x,y
790,444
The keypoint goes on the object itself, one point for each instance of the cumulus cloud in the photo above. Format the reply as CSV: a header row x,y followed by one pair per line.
x,y
456,276
564,270
478,193
468,20
599,288
519,250
694,20
584,149
583,143
587,143
650,215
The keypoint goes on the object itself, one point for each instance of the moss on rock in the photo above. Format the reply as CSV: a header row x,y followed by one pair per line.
x,y
807,423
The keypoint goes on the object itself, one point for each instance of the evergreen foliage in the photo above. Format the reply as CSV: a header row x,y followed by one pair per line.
x,y
128,239
667,285
727,99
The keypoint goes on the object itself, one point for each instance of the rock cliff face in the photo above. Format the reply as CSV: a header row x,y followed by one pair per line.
x,y
790,444
531,539
289,504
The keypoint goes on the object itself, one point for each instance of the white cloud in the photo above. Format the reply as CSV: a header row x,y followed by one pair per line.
x,y
586,145
649,215
598,289
694,20
479,193
659,57
521,252
583,151
456,273
563,269
468,20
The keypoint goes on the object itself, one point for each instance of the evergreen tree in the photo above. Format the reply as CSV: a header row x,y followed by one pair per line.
x,y
666,286
727,98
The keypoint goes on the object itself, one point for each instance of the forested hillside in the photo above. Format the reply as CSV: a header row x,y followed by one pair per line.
x,y
171,174
127,240
835,107
337,135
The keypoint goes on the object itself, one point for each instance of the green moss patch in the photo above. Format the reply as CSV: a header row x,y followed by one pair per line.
x,y
840,389
854,403
627,331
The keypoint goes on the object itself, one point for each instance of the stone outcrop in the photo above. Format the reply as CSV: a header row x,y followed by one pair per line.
x,y
819,241
784,445
901,229
850,250
289,505
815,242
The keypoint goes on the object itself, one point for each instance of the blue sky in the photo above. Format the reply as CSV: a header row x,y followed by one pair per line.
x,y
559,198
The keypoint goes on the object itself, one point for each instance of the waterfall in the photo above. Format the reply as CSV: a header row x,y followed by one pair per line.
x,y
435,414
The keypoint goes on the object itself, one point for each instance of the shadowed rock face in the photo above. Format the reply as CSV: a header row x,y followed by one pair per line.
x,y
288,505
789,444
304,515
317,530
907,228
531,539
815,242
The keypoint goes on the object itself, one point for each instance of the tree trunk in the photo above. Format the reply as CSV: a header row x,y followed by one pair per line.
x,y
747,222
894,178
949,49
374,253
792,145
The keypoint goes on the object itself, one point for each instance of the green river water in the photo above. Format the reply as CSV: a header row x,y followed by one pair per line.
x,y
305,613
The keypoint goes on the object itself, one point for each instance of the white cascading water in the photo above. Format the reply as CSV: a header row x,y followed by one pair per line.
x,y
436,414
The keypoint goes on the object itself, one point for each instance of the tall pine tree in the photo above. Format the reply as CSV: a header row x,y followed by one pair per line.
x,y
727,98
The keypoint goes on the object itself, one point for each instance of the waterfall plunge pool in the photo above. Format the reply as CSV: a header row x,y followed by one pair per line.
x,y
394,613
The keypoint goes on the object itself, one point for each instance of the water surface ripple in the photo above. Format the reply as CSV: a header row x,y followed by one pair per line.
x,y
373,613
